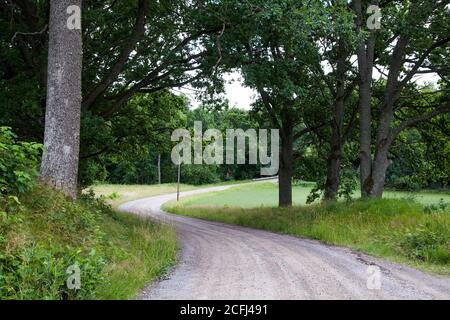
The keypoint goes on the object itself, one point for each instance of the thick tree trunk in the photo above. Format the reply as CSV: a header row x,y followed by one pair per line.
x,y
365,137
380,166
59,167
383,143
384,132
333,171
365,53
286,171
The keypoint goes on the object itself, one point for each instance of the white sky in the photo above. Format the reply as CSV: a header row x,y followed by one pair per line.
x,y
242,97
237,94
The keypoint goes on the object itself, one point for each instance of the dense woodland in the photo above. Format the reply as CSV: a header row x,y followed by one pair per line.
x,y
344,95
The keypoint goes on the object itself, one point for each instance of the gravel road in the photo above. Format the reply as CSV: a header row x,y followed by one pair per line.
x,y
220,261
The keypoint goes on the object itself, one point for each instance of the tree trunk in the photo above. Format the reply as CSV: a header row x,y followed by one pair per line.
x,y
59,168
365,53
380,166
383,143
286,171
365,138
334,158
334,161
333,171
384,133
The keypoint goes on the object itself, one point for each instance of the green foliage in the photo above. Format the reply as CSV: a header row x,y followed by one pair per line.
x,y
347,186
42,234
139,165
41,239
316,192
198,174
420,157
124,148
18,162
39,272
427,242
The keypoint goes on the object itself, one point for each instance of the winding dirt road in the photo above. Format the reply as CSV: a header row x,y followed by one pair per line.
x,y
220,261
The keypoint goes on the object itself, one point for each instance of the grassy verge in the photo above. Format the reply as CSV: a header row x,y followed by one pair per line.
x,y
397,229
138,251
42,234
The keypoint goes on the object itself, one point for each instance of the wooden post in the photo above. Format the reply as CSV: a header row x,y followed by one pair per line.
x,y
178,184
159,169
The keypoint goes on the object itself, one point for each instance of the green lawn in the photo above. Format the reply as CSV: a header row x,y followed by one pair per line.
x,y
398,229
266,194
117,194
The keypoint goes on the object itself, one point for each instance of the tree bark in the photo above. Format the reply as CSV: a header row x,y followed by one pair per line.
x,y
333,168
380,166
335,155
365,53
365,115
286,170
59,168
384,133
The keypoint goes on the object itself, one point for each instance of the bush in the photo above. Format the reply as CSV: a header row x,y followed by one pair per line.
x,y
198,175
40,272
18,163
427,244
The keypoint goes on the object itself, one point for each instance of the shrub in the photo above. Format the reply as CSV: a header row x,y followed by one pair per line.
x,y
40,272
198,175
426,244
18,162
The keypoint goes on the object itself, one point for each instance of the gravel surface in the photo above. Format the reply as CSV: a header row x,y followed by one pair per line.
x,y
220,261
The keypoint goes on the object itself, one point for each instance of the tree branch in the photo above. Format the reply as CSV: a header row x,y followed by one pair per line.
x,y
421,60
138,30
416,120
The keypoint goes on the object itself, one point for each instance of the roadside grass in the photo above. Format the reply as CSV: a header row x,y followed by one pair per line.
x,y
138,250
42,234
399,230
